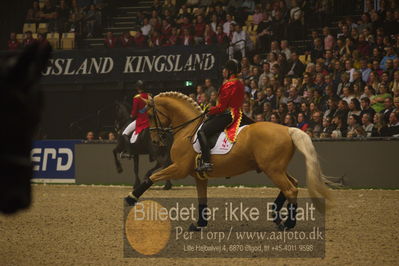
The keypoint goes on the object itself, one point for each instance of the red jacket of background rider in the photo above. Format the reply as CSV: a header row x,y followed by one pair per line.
x,y
139,112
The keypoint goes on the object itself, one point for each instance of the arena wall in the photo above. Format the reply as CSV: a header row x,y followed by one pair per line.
x,y
357,164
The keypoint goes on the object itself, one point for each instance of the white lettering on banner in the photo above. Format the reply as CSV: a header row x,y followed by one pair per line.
x,y
60,66
68,164
133,64
35,159
40,158
48,151
108,62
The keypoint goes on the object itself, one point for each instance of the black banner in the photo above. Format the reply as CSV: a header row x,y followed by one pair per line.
x,y
129,64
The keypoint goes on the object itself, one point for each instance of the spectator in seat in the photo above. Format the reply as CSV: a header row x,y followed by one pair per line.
x,y
367,124
388,108
316,124
363,46
377,101
92,20
110,41
41,38
332,108
186,38
365,70
90,136
390,54
379,125
239,41
246,109
199,29
353,123
146,28
396,104
227,24
366,109
393,127
49,15
166,29
327,128
209,37
173,38
295,66
275,118
348,94
156,39
28,39
341,127
140,41
63,12
295,26
126,40
329,40
208,87
13,44
302,122
221,37
317,50
289,121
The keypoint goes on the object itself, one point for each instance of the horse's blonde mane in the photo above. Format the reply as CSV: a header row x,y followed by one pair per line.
x,y
181,96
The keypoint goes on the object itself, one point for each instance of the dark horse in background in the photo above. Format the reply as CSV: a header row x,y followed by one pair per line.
x,y
21,103
143,145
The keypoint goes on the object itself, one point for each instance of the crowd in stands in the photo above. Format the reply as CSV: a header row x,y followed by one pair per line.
x,y
86,18
345,84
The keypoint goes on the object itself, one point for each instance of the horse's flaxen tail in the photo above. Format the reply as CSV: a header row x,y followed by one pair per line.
x,y
314,178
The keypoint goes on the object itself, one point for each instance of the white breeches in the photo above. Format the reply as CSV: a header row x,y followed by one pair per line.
x,y
130,130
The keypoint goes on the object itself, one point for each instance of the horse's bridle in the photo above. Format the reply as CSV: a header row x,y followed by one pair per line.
x,y
161,130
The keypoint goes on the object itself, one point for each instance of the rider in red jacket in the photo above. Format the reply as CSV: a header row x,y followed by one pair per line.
x,y
226,114
139,113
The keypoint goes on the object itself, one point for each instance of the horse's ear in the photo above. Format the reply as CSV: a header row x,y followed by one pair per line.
x,y
150,102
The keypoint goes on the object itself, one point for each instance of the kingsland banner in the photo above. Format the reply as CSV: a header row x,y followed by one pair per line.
x,y
129,64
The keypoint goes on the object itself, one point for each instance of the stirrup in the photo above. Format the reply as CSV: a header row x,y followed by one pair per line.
x,y
204,167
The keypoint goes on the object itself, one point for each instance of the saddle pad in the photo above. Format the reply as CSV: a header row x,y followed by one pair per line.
x,y
222,146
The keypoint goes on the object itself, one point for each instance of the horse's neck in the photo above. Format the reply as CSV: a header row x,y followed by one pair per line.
x,y
180,113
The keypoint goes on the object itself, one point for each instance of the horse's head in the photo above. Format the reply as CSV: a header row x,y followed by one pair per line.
x,y
159,122
20,107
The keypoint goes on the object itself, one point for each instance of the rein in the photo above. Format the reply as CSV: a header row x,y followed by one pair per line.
x,y
172,130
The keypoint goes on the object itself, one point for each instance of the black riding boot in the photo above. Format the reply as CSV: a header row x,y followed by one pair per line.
x,y
127,145
206,153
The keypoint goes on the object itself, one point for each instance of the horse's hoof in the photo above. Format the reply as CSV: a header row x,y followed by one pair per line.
x,y
287,225
277,221
130,201
167,186
195,228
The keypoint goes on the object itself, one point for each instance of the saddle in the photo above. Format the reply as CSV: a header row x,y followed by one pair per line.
x,y
219,143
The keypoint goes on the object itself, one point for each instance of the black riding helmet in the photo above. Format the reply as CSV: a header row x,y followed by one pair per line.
x,y
232,66
140,85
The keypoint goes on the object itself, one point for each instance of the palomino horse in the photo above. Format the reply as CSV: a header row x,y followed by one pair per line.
x,y
263,146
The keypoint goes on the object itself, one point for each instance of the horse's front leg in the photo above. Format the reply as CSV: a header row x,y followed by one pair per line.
x,y
202,190
136,161
173,171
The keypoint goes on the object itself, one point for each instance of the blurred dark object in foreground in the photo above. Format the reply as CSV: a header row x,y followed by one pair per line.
x,y
20,110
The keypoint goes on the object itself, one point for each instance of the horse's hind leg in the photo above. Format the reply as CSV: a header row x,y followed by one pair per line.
x,y
118,149
288,191
202,193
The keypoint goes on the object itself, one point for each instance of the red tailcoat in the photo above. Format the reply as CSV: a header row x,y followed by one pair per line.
x,y
231,98
139,112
